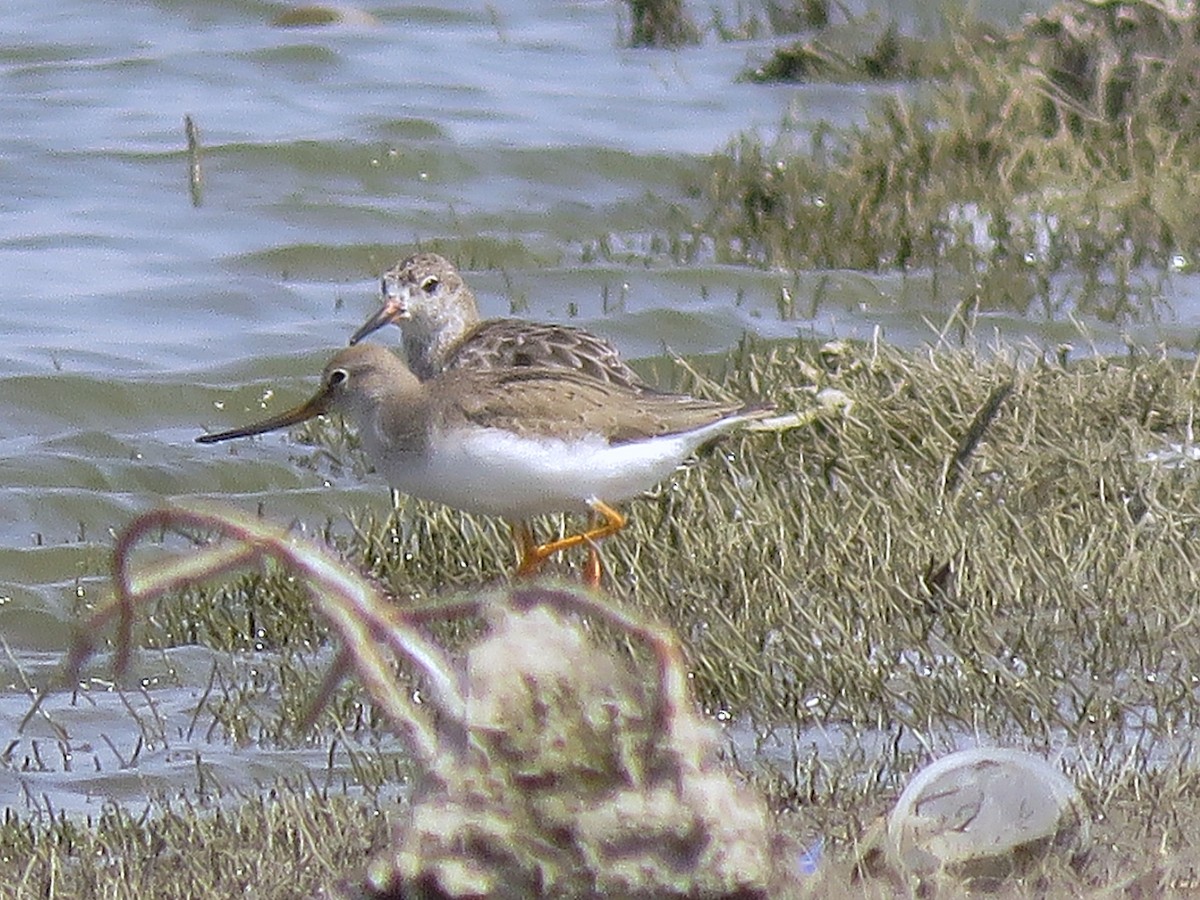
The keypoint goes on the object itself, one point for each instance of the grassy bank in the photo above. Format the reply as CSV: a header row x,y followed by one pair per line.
x,y
991,547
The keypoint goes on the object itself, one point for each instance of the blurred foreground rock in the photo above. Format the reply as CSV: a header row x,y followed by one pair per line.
x,y
584,775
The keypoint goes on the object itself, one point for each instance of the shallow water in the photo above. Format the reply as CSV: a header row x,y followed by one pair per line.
x,y
521,137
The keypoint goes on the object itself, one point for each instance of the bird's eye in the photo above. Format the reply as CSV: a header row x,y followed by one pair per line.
x,y
430,284
337,376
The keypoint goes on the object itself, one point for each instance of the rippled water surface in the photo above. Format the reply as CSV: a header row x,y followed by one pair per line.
x,y
521,137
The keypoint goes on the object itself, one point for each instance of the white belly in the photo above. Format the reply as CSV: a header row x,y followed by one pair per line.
x,y
498,473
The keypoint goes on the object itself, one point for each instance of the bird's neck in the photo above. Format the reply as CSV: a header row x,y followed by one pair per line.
x,y
430,339
396,422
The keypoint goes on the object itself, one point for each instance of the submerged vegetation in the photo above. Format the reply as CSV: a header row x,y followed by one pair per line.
x,y
866,51
661,23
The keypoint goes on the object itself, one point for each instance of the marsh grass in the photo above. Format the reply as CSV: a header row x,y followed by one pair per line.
x,y
289,844
1064,148
982,547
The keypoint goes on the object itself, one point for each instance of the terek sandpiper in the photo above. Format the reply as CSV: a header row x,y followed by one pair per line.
x,y
512,442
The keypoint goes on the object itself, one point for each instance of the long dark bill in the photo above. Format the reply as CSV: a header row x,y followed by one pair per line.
x,y
305,411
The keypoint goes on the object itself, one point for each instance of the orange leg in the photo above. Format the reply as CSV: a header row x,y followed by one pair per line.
x,y
526,546
612,522
593,569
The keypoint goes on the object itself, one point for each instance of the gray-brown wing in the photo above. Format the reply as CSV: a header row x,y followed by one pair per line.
x,y
515,343
564,403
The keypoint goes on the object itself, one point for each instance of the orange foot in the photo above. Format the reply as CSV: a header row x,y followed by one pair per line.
x,y
532,556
